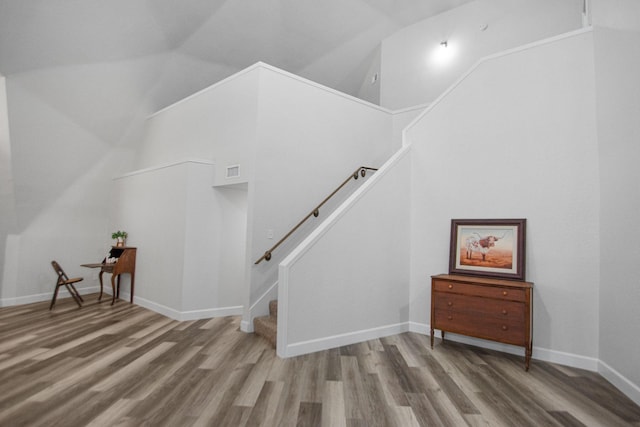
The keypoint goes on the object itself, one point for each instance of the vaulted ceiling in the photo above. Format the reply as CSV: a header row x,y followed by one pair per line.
x,y
82,75
328,41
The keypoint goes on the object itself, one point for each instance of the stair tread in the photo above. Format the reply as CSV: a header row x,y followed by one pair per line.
x,y
269,320
267,327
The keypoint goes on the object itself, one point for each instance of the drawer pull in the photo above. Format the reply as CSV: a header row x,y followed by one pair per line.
x,y
450,317
505,293
450,286
449,303
504,312
505,327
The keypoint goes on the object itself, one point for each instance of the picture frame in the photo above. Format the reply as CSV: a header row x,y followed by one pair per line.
x,y
488,247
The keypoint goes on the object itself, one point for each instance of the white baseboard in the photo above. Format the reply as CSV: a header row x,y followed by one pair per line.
x,y
622,383
259,307
538,353
125,296
312,346
619,381
186,315
29,299
246,326
631,390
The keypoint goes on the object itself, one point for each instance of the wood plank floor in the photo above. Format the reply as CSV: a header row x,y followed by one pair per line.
x,y
127,366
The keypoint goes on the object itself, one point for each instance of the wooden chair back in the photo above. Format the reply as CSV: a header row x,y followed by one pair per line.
x,y
64,280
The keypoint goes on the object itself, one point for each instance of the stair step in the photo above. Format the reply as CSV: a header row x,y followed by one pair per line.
x,y
267,327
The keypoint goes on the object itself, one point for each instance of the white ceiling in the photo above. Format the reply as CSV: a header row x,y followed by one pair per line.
x,y
330,41
83,75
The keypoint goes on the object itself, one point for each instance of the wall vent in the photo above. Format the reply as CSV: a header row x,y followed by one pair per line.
x,y
233,171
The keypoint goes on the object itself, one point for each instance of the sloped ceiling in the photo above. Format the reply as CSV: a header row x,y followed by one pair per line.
x,y
324,40
82,75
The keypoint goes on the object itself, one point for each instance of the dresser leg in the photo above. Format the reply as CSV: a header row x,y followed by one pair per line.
x,y
527,357
432,332
442,335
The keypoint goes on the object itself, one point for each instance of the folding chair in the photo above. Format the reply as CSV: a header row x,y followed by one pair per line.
x,y
63,280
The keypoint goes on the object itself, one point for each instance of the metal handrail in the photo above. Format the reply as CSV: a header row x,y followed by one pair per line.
x,y
362,170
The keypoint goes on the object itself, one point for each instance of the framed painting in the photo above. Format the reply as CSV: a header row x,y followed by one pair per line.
x,y
488,247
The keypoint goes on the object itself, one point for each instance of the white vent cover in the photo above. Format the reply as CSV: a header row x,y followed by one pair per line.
x,y
233,171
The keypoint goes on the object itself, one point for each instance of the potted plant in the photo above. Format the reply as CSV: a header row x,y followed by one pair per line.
x,y
120,236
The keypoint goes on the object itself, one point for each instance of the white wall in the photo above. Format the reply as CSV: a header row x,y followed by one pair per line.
x,y
414,71
617,14
7,196
233,243
617,56
294,140
516,138
365,292
177,221
309,139
402,119
72,230
216,124
214,247
151,206
60,174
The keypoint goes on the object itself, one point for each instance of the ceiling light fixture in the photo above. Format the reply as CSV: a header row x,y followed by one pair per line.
x,y
443,54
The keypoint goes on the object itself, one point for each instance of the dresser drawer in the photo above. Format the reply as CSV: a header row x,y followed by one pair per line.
x,y
502,309
481,307
505,293
480,326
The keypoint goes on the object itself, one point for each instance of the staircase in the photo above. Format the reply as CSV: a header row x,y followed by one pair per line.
x,y
267,326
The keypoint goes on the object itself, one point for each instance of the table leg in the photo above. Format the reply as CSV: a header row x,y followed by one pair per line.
x,y
133,278
100,276
113,288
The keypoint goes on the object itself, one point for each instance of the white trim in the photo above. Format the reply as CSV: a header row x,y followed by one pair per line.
x,y
263,296
619,381
563,358
247,325
341,210
182,316
164,166
419,328
282,347
29,299
124,297
543,354
206,89
282,336
434,104
340,340
412,108
262,65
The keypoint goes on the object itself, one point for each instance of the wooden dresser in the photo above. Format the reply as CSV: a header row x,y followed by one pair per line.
x,y
492,309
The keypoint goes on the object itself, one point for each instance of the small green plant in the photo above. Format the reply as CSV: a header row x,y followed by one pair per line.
x,y
119,234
